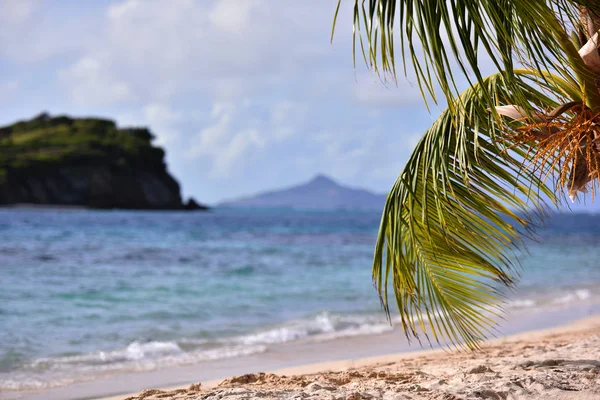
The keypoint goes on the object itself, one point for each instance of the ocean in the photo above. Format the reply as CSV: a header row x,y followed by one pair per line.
x,y
88,294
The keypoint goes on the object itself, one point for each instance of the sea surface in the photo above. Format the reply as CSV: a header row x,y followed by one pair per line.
x,y
85,294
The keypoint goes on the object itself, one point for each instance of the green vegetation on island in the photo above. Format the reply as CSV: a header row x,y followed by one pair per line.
x,y
47,141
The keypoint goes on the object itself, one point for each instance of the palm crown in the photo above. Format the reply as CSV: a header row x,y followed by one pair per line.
x,y
479,180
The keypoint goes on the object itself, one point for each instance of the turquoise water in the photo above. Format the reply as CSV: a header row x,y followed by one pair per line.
x,y
90,293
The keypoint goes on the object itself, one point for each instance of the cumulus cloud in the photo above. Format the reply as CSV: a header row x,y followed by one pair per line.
x,y
90,82
214,135
287,117
223,48
34,31
17,11
222,144
162,119
232,16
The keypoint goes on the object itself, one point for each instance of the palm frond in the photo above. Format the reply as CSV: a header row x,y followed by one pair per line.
x,y
440,38
461,206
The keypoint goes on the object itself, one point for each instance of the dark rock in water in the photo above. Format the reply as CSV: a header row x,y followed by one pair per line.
x,y
84,162
193,205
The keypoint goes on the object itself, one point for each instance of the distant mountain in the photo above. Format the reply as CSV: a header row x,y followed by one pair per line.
x,y
321,192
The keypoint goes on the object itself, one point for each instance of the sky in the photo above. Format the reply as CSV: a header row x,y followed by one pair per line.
x,y
244,95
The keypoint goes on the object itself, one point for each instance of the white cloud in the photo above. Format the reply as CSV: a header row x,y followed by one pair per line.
x,y
213,136
17,11
227,155
222,143
119,10
287,117
161,113
30,34
161,119
226,49
232,15
89,83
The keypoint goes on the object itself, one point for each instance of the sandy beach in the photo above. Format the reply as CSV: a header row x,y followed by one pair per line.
x,y
556,363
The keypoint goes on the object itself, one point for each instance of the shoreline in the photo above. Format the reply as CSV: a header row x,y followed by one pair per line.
x,y
300,358
74,207
579,338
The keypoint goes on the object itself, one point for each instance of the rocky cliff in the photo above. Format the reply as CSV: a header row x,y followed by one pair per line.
x,y
84,162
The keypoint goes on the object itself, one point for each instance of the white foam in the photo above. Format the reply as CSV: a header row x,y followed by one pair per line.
x,y
322,327
51,372
138,351
22,381
521,303
580,294
228,352
133,352
276,335
357,331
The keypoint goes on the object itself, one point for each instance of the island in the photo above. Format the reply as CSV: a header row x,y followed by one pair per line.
x,y
86,162
321,192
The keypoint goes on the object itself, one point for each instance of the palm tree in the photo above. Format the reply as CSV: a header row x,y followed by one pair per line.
x,y
484,174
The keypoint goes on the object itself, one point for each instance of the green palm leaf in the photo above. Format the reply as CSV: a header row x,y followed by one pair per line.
x,y
455,214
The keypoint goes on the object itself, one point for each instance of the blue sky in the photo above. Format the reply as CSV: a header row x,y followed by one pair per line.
x,y
244,95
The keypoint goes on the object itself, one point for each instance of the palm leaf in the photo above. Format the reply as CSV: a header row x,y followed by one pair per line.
x,y
457,212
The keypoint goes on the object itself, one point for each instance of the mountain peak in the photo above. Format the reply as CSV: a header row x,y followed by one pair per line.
x,y
323,180
321,192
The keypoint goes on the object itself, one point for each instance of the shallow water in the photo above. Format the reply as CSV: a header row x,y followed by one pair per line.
x,y
101,292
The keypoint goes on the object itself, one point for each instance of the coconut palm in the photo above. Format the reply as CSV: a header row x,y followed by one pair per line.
x,y
483,175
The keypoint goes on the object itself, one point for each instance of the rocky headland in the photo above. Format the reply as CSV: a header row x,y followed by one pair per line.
x,y
86,162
